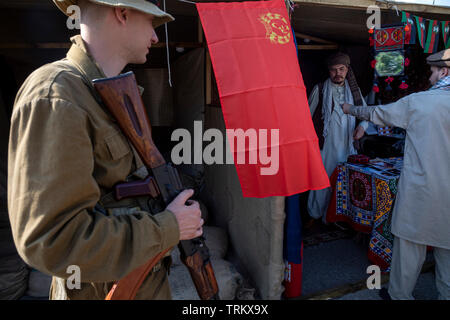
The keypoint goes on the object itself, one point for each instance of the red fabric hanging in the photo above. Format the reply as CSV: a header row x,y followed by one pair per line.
x,y
261,87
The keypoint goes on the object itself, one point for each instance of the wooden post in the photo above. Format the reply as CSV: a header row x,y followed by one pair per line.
x,y
318,46
208,79
208,66
200,31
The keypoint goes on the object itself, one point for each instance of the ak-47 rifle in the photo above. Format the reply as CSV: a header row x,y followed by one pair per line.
x,y
121,96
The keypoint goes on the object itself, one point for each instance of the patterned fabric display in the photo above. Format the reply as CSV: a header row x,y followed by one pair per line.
x,y
389,38
385,131
360,190
365,195
381,240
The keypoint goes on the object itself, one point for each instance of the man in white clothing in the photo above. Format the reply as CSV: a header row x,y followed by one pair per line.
x,y
335,130
421,214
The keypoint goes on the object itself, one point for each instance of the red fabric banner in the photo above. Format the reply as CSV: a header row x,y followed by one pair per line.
x,y
421,30
261,88
432,40
410,32
446,33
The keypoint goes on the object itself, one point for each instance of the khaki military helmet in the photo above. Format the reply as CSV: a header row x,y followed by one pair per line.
x,y
146,6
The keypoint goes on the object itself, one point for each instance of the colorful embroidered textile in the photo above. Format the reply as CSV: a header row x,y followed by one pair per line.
x,y
389,38
385,131
358,158
363,197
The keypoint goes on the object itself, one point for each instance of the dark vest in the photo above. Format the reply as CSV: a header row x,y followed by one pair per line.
x,y
318,117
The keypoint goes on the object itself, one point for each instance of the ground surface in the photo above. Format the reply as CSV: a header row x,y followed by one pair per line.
x,y
341,265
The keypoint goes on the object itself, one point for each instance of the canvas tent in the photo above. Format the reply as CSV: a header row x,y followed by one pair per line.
x,y
33,33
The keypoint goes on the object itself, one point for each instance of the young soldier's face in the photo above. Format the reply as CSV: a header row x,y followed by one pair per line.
x,y
437,74
338,73
142,37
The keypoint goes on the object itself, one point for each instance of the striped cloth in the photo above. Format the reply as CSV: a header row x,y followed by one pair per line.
x,y
443,84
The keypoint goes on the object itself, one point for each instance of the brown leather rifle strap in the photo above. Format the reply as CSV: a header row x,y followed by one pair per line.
x,y
127,287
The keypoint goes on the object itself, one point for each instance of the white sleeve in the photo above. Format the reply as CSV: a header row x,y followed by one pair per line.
x,y
364,124
394,114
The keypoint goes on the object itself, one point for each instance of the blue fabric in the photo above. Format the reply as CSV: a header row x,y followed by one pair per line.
x,y
296,47
293,230
293,223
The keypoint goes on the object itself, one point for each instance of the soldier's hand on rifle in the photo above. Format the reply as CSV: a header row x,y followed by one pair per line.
x,y
188,215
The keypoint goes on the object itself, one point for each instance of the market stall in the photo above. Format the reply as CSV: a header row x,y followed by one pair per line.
x,y
255,227
363,196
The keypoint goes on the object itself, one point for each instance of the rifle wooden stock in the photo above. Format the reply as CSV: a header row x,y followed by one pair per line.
x,y
202,276
122,98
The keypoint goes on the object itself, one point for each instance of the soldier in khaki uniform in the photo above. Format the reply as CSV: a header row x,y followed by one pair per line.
x,y
66,153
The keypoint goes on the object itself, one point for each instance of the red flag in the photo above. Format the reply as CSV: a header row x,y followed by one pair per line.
x,y
410,28
446,33
261,88
421,30
432,40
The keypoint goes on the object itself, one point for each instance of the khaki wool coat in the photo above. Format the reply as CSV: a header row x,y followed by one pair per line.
x,y
65,152
421,211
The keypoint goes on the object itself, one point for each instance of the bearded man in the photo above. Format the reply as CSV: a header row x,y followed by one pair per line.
x,y
336,131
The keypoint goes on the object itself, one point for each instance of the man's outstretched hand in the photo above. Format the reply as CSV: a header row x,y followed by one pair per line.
x,y
188,215
358,133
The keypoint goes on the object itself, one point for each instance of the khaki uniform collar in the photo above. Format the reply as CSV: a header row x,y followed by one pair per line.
x,y
85,63
90,70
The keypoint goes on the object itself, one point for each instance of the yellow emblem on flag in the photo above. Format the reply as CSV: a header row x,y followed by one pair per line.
x,y
277,28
